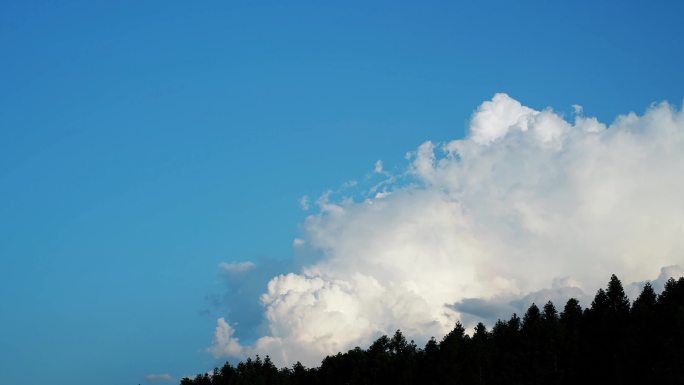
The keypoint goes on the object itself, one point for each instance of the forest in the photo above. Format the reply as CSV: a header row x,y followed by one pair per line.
x,y
612,341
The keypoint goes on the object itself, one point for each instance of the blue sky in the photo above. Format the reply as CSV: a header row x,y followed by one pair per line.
x,y
141,144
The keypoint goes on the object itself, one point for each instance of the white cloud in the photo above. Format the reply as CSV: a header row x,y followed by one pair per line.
x,y
528,206
378,167
493,119
236,267
154,378
297,242
224,344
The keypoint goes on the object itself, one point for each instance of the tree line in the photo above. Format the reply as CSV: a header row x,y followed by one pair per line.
x,y
612,341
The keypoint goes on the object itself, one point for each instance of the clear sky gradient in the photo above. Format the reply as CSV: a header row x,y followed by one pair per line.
x,y
143,143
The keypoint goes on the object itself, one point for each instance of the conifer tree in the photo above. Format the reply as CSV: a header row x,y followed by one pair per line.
x,y
617,300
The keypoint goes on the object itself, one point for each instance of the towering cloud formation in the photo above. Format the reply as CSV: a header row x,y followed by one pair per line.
x,y
528,206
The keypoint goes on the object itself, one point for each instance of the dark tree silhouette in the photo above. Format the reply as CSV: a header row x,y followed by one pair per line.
x,y
617,300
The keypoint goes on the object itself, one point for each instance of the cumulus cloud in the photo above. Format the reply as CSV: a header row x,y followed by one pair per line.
x,y
155,378
528,207
236,267
224,344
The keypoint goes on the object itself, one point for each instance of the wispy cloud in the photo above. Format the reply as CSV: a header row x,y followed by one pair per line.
x,y
155,378
304,202
236,267
528,206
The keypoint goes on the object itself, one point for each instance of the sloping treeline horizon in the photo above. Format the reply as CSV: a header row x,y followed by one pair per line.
x,y
612,341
